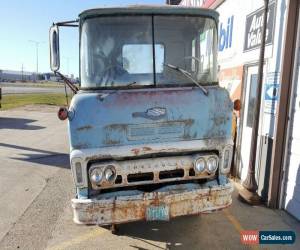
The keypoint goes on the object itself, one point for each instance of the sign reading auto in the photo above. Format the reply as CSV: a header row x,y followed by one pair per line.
x,y
254,24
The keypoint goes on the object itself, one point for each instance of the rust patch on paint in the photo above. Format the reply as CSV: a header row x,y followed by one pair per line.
x,y
84,128
111,142
136,151
81,146
120,127
147,149
99,157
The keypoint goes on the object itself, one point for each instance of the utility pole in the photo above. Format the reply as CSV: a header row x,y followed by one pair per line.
x,y
22,72
36,43
249,191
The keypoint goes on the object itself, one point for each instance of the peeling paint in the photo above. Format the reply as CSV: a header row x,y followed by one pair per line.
x,y
146,148
120,127
87,127
136,151
81,146
189,116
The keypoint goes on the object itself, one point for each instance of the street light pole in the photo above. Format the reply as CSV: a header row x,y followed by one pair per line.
x,y
249,191
68,64
36,43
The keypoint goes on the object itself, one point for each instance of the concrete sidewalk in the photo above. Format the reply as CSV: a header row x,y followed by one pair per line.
x,y
33,146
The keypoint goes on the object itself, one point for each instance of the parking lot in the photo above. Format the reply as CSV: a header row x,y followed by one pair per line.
x,y
36,188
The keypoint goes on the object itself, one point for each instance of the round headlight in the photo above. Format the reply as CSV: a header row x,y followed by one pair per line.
x,y
200,165
212,165
96,176
110,174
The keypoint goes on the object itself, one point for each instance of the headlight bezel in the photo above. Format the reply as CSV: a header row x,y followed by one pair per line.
x,y
78,167
104,181
205,158
226,169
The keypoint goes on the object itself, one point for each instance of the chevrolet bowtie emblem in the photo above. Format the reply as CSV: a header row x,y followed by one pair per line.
x,y
152,113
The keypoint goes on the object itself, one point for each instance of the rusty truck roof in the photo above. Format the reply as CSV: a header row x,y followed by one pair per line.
x,y
150,10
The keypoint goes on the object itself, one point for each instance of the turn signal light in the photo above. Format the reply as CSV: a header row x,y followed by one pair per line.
x,y
237,105
62,113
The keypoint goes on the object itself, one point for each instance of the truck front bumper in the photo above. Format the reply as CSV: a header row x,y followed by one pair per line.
x,y
162,204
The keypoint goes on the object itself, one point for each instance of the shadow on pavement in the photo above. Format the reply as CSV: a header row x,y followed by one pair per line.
x,y
18,123
40,156
173,232
54,160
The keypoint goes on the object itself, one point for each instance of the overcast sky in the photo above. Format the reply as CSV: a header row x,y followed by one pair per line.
x,y
22,21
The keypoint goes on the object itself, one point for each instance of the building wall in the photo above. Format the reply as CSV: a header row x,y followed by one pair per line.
x,y
285,171
239,29
231,78
10,75
239,46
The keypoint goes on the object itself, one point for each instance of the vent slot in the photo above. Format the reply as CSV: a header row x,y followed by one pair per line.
x,y
191,172
170,174
118,179
140,177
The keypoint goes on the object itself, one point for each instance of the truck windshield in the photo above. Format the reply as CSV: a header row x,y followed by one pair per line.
x,y
119,50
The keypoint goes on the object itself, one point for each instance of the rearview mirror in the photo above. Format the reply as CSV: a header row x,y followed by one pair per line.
x,y
54,48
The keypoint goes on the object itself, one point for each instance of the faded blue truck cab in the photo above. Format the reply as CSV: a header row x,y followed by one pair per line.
x,y
150,128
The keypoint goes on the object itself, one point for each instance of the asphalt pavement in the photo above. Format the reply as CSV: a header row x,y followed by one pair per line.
x,y
36,188
17,88
30,90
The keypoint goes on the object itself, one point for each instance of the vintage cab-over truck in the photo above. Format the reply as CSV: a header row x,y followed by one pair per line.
x,y
149,127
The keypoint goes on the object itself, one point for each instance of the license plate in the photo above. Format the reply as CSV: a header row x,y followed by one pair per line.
x,y
157,213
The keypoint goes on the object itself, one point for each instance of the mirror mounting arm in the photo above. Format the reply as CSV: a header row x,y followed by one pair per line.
x,y
68,23
68,82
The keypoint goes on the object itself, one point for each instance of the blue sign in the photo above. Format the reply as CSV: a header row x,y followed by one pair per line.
x,y
277,237
271,92
271,97
225,34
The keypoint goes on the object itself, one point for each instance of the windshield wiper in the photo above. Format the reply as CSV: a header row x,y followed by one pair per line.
x,y
103,96
187,75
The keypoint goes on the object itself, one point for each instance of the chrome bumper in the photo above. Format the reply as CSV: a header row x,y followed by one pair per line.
x,y
126,206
